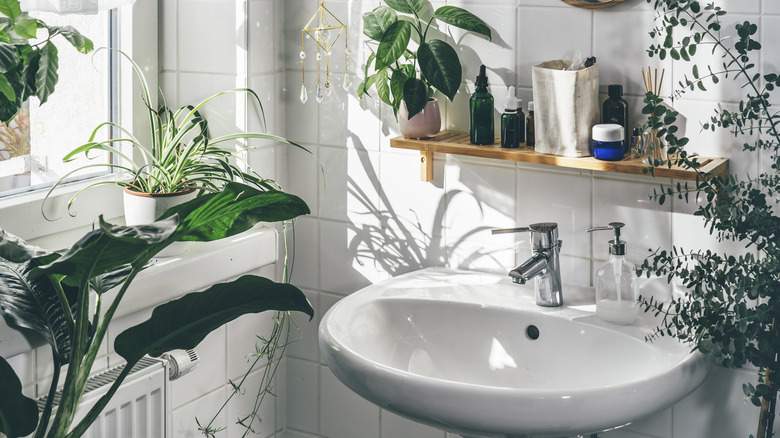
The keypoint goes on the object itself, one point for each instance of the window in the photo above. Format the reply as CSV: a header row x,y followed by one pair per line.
x,y
20,211
81,100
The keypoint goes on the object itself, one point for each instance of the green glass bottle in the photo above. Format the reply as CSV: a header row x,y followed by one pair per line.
x,y
481,112
512,124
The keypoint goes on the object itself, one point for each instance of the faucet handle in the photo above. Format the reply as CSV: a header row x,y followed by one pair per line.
x,y
510,230
542,227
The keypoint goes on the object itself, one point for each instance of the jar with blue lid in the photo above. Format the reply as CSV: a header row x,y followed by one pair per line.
x,y
608,142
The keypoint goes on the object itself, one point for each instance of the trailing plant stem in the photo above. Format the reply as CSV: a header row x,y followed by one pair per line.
x,y
767,414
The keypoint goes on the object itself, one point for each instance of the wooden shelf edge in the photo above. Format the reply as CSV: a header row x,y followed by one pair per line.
x,y
457,143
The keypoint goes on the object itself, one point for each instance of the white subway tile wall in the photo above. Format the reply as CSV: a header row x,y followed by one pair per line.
x,y
446,221
371,216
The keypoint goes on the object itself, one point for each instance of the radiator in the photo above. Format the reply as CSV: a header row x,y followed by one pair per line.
x,y
138,408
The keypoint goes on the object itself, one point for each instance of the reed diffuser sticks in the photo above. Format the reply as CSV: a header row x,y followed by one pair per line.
x,y
654,149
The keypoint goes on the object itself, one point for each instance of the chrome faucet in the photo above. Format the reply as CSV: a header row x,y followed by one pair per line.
x,y
544,264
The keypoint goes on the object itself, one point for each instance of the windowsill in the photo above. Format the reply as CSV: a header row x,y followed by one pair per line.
x,y
200,265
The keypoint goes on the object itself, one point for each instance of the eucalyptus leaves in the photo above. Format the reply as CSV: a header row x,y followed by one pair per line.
x,y
403,74
731,308
29,69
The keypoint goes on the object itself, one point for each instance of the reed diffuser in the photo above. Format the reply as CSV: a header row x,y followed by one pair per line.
x,y
654,148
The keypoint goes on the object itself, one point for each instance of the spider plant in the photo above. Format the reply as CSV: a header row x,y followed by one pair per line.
x,y
181,154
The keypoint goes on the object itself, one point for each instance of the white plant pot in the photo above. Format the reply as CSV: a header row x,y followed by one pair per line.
x,y
425,124
145,208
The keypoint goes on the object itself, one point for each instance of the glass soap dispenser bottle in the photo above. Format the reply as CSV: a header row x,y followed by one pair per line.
x,y
617,286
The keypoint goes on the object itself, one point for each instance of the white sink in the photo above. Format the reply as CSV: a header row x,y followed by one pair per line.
x,y
452,349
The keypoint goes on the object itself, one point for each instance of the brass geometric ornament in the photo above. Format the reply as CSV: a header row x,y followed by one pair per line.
x,y
324,29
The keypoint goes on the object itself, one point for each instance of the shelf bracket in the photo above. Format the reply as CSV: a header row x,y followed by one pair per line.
x,y
426,166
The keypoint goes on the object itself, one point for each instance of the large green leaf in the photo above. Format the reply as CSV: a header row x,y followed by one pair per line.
x,y
11,9
8,108
74,37
393,43
376,22
183,323
415,96
463,19
397,81
6,89
18,414
26,28
9,57
440,65
406,6
46,77
382,85
110,247
31,302
235,209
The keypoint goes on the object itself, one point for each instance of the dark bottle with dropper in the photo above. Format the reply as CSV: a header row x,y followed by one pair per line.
x,y
615,109
481,112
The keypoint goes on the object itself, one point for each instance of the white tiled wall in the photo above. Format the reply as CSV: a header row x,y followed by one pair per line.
x,y
373,218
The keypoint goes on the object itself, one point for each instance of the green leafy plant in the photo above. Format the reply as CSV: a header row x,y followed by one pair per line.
x,y
732,301
49,292
401,73
181,155
29,69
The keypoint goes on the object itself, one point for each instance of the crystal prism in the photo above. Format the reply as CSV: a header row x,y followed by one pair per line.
x,y
319,93
304,94
328,90
346,83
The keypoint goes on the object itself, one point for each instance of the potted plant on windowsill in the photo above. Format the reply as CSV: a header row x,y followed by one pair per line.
x,y
405,78
26,69
64,296
181,160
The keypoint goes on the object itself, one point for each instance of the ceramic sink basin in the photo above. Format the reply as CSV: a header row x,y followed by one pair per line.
x,y
471,353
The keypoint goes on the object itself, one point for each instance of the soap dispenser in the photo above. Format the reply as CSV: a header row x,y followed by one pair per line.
x,y
617,286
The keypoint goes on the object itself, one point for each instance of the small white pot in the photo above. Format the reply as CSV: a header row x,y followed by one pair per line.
x,y
424,124
145,208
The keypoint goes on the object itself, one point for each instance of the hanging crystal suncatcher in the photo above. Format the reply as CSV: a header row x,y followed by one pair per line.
x,y
325,34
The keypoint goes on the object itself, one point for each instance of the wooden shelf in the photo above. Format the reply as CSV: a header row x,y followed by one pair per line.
x,y
457,143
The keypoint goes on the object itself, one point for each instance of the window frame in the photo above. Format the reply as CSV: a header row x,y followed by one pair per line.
x,y
20,214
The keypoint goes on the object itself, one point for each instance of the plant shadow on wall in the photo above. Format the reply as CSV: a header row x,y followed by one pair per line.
x,y
399,242
731,304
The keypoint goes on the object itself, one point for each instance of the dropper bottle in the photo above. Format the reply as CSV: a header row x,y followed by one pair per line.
x,y
482,130
512,124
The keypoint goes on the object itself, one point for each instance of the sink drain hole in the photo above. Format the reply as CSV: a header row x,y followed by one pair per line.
x,y
532,332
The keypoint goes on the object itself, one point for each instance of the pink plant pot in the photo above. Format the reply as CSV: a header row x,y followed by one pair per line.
x,y
425,124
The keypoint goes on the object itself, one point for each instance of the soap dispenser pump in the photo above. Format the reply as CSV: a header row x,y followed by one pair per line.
x,y
617,286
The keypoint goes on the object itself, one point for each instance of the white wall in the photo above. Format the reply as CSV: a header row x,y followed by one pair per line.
x,y
207,46
373,219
